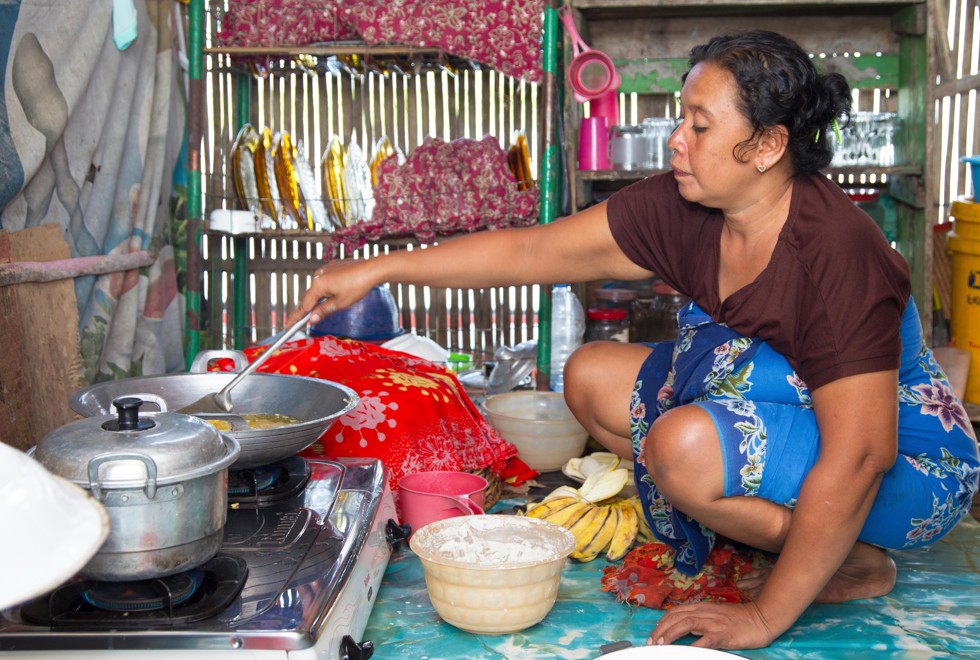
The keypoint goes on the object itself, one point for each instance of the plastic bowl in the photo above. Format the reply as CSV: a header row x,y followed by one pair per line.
x,y
540,425
372,318
492,573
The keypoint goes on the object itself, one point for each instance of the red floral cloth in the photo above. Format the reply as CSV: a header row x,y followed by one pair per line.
x,y
443,188
412,414
283,23
505,35
647,576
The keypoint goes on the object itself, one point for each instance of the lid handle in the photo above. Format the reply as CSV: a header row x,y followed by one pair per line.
x,y
128,409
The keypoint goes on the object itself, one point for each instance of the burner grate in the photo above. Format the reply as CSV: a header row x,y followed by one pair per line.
x,y
155,594
259,487
165,602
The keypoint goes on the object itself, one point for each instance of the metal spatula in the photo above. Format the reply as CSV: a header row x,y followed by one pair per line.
x,y
221,401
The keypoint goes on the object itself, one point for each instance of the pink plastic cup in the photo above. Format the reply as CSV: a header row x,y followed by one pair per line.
x,y
425,497
606,105
593,144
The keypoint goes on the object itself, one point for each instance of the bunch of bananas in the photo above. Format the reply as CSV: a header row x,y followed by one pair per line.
x,y
600,520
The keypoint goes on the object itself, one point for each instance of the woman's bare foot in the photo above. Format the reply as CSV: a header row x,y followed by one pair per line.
x,y
868,572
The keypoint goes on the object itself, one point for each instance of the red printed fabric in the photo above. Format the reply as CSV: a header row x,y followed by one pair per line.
x,y
442,188
283,23
413,414
647,576
504,35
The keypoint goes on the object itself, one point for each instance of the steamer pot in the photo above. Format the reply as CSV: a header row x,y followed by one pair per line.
x,y
162,478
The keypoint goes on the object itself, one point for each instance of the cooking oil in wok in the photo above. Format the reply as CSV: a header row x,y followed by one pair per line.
x,y
258,421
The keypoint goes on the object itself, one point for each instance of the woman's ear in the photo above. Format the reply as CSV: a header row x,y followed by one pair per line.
x,y
772,146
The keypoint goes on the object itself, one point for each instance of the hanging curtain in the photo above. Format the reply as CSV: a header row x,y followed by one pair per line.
x,y
90,139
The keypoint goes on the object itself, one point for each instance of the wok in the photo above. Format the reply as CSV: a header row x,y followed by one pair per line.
x,y
317,402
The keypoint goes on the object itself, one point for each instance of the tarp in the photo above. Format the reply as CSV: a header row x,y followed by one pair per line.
x,y
90,136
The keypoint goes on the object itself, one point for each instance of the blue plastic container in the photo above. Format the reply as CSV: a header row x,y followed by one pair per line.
x,y
372,318
974,163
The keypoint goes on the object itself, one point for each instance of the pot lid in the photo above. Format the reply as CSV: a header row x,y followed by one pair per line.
x,y
130,449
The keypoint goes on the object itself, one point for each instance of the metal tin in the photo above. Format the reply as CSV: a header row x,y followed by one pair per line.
x,y
628,148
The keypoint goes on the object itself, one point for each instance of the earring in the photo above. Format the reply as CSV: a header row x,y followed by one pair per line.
x,y
762,169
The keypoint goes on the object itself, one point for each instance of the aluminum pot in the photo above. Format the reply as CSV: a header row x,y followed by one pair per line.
x,y
163,479
316,401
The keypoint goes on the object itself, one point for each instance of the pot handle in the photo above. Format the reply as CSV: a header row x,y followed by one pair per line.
x,y
202,359
98,461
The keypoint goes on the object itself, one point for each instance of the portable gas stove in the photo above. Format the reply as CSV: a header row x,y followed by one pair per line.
x,y
305,547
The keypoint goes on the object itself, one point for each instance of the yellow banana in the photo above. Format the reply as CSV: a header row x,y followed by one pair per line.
x,y
548,507
570,515
587,525
599,533
645,534
627,527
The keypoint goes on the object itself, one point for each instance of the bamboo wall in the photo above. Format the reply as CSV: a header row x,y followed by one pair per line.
x,y
358,94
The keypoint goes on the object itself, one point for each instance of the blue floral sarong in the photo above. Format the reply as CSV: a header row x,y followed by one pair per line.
x,y
769,438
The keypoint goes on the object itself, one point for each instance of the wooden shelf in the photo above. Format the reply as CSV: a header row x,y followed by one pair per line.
x,y
619,7
323,50
636,175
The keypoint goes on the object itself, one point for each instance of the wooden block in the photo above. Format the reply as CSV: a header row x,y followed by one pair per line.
x,y
41,363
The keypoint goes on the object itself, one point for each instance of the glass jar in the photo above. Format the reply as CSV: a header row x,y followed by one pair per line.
x,y
607,324
654,314
658,131
609,297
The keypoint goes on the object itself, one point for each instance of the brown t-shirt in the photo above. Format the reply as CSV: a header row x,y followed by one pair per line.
x,y
830,300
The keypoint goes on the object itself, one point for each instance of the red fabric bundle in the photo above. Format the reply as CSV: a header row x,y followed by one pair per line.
x,y
283,23
647,576
504,34
413,414
442,188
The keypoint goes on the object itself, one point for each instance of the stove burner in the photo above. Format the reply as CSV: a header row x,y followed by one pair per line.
x,y
172,601
261,486
250,482
144,595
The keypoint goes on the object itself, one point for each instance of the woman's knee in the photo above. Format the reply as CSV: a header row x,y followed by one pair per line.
x,y
682,452
599,377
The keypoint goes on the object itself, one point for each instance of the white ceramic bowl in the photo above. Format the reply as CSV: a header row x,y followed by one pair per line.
x,y
540,425
492,573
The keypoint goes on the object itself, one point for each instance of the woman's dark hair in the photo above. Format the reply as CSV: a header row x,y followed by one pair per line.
x,y
778,84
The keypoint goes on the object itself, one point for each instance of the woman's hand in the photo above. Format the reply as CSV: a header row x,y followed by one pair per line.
x,y
719,626
341,282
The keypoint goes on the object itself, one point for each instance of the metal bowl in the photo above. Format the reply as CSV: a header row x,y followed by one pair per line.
x,y
317,402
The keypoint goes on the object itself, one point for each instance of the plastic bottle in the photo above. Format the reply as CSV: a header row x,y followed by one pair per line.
x,y
567,331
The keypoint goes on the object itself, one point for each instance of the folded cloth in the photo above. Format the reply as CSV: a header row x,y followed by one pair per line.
x,y
413,414
647,577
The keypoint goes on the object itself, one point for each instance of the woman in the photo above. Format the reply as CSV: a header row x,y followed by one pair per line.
x,y
798,411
